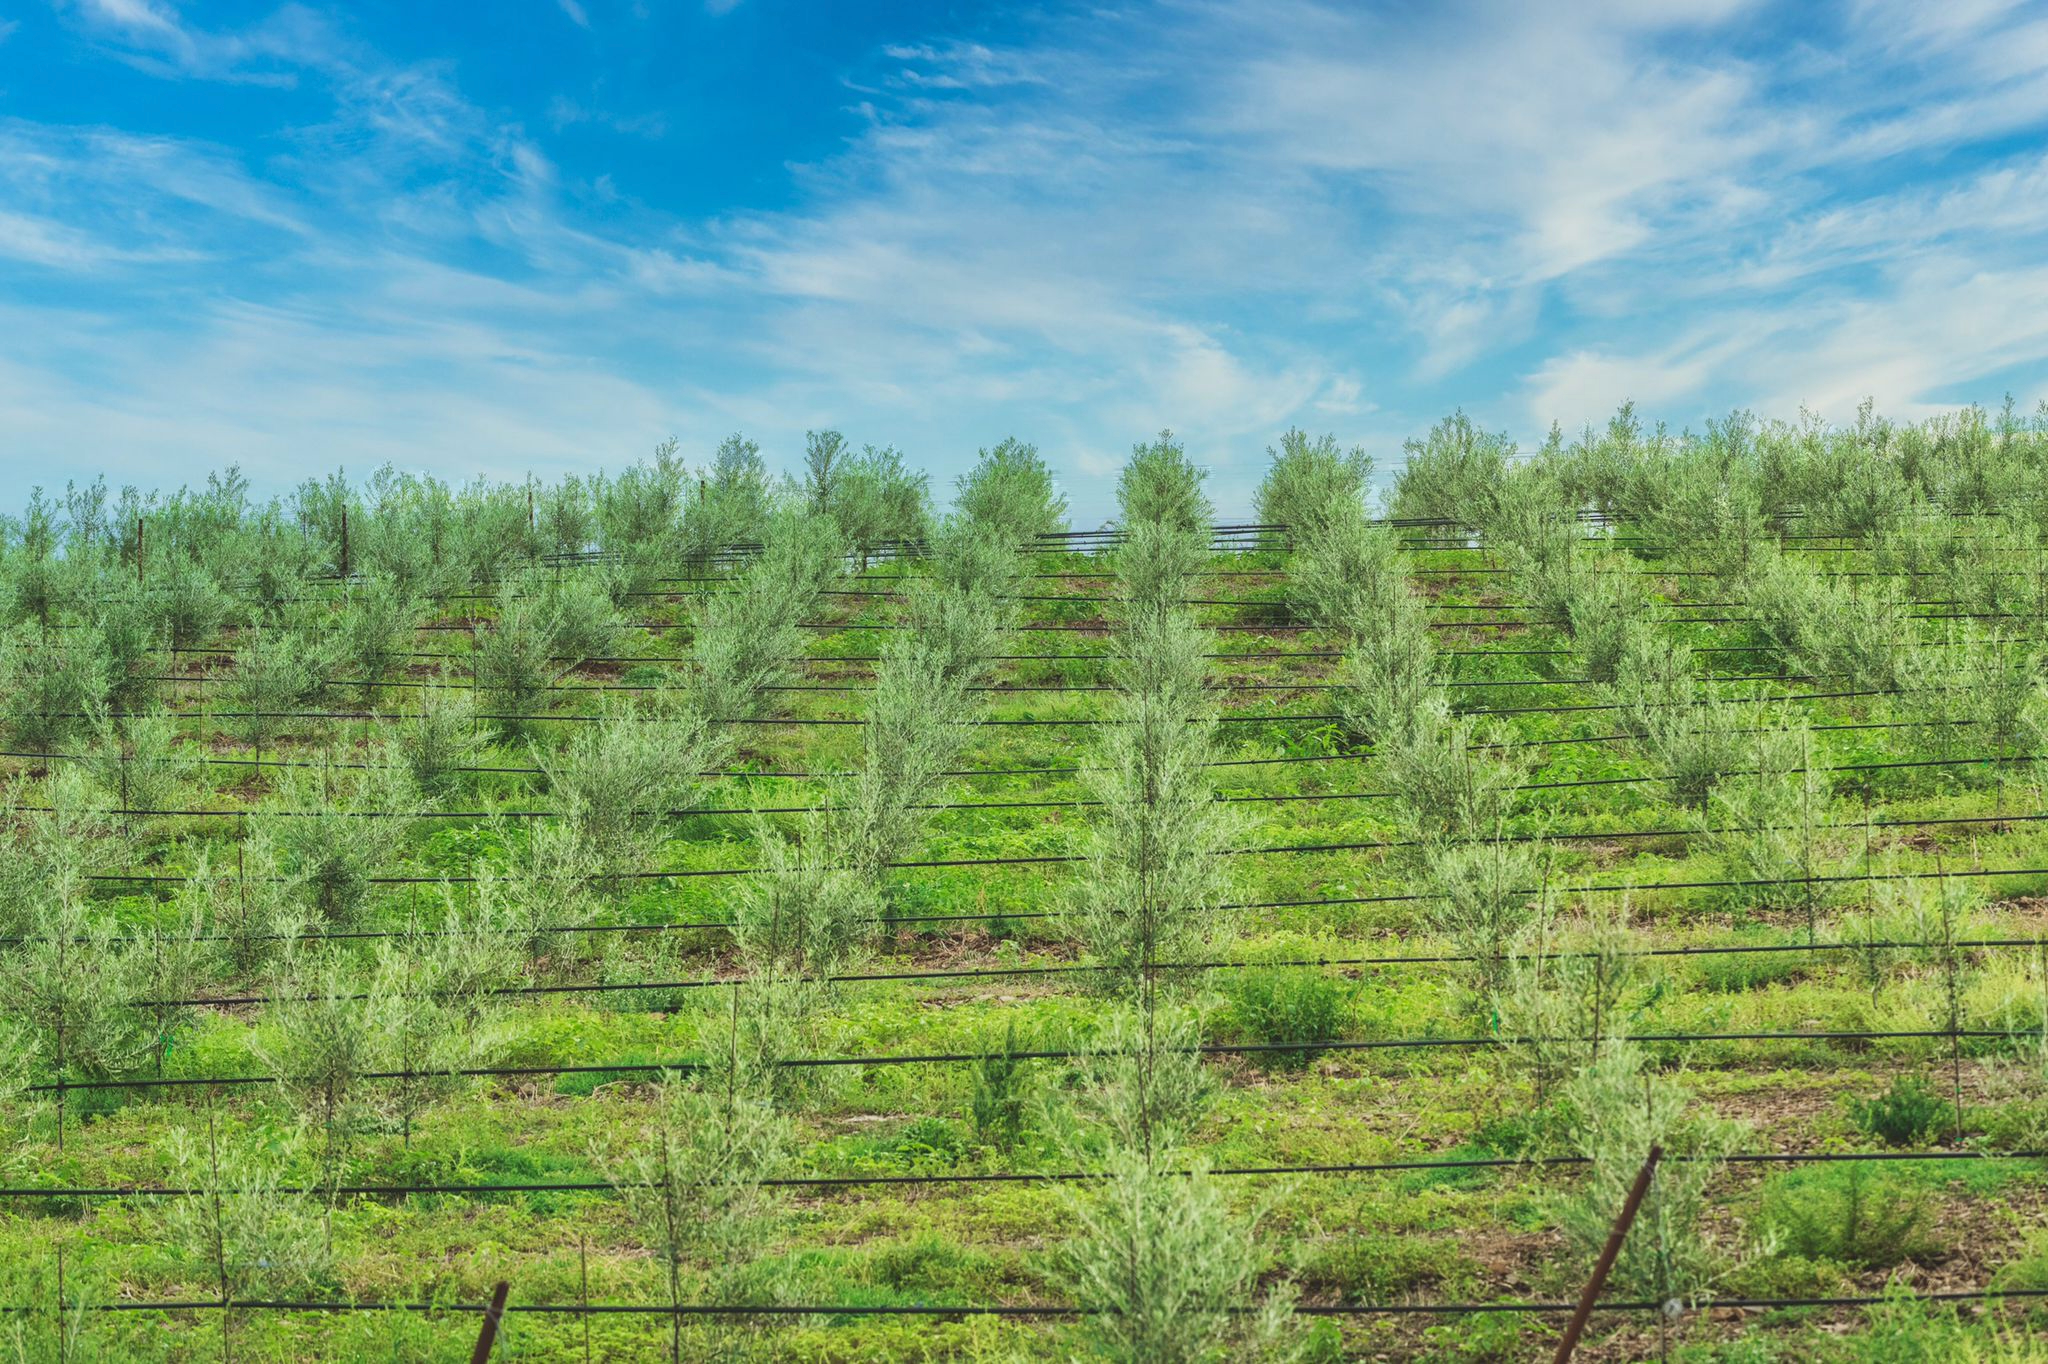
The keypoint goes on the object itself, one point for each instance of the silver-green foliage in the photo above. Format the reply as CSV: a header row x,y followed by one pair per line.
x,y
1160,483
1767,821
1311,483
439,736
246,1232
515,656
1158,1258
806,910
1009,495
1151,888
1453,474
745,638
333,828
1620,1107
618,782
278,672
372,626
52,686
695,1187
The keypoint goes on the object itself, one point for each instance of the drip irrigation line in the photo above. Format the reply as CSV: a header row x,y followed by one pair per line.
x,y
1035,1311
1578,836
1417,1165
1269,850
1091,968
625,1068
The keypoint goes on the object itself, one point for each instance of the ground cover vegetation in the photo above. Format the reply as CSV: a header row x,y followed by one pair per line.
x,y
768,919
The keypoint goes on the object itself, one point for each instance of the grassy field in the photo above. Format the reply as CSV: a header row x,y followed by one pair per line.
x,y
686,898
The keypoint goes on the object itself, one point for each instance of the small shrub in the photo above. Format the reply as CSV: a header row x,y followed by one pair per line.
x,y
1277,1004
1002,1095
1850,1212
1909,1113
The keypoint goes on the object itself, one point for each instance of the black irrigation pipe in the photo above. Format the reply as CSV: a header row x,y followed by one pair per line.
x,y
1985,760
1368,845
374,716
625,1068
1271,850
1417,1165
1072,969
1033,1311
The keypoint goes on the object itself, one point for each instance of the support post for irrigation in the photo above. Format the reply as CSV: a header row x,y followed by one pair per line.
x,y
488,1336
1598,1279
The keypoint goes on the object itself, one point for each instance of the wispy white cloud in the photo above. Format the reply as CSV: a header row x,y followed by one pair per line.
x,y
1223,217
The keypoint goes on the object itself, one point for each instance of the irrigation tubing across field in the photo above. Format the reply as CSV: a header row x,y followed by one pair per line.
x,y
1271,850
1417,1165
1073,969
1036,1311
623,1069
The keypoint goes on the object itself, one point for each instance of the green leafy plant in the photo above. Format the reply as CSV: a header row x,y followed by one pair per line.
x,y
1908,1113
1853,1213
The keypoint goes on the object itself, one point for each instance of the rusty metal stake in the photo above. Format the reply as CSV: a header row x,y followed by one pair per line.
x,y
1608,1253
489,1335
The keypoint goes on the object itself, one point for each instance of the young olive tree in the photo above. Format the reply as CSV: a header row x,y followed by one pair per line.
x,y
1311,483
1158,1259
617,783
1151,890
1009,495
332,829
1160,483
1621,1107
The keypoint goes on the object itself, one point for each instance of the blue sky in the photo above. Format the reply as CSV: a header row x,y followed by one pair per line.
x,y
543,234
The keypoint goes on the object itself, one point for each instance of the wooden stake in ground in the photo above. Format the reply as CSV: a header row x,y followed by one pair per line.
x,y
488,1336
1598,1279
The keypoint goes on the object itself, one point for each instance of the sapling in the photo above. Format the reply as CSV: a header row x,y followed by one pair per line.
x,y
1768,822
565,518
1689,739
370,630
918,720
547,883
129,642
616,783
1151,890
1454,474
1156,566
438,737
1158,1260
1347,573
1620,1107
1160,483
138,764
695,1187
1009,495
585,608
1310,483
277,672
326,1029
51,686
440,1011
245,1233
333,828
1568,989
513,656
744,639
807,910
190,604
1977,697
876,501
